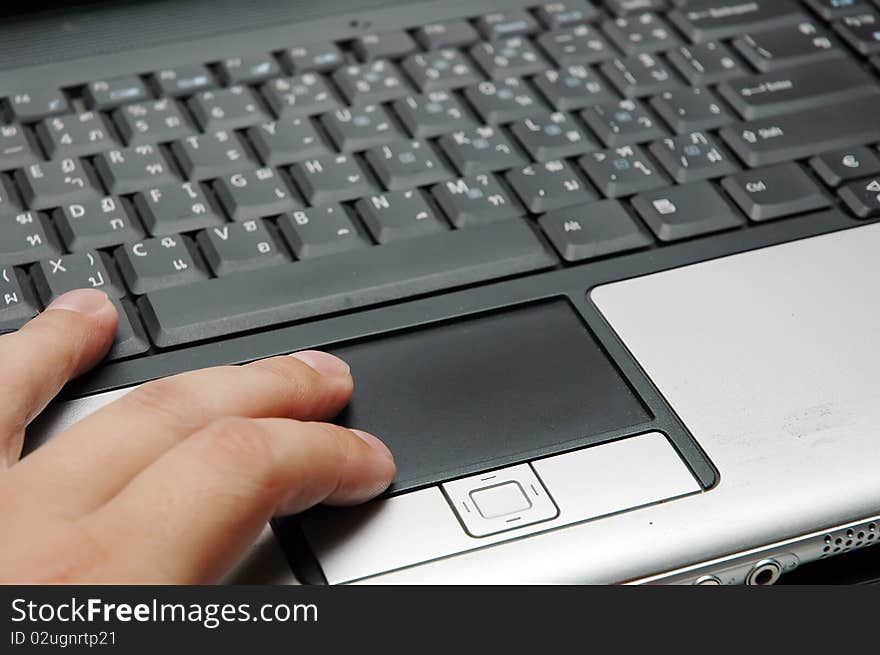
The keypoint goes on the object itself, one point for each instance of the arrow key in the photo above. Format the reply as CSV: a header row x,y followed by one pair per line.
x,y
863,198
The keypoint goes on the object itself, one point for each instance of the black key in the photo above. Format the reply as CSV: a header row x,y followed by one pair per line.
x,y
708,20
97,223
237,247
834,9
581,44
565,13
377,81
133,169
503,101
373,275
475,200
226,109
588,231
637,33
320,57
115,91
707,63
798,87
32,106
573,87
686,211
398,215
693,156
788,46
320,231
131,339
624,7
53,183
385,45
432,114
255,194
776,191
159,263
18,303
439,70
640,75
499,25
305,95
152,122
26,237
176,208
481,150
10,203
862,198
406,164
17,147
184,80
861,31
450,34
622,171
839,166
75,134
204,156
553,136
332,179
623,122
691,108
248,70
360,127
513,56
805,133
286,141
90,269
548,186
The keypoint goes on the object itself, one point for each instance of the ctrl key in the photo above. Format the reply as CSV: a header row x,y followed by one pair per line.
x,y
593,230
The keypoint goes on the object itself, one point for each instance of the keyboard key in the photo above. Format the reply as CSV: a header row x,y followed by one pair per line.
x,y
623,122
226,109
377,81
386,45
565,13
503,101
573,87
768,193
131,339
686,211
133,169
300,290
787,46
638,33
690,109
450,34
432,114
26,237
332,179
548,186
440,70
206,156
834,9
237,247
32,106
640,75
398,215
581,44
320,231
10,203
481,150
507,23
305,95
75,134
286,141
588,231
707,63
320,57
18,303
475,200
176,208
360,127
159,121
622,171
159,263
90,269
818,84
255,194
406,164
17,147
839,166
861,31
624,7
805,133
693,156
509,57
709,20
863,197
54,183
115,91
97,223
553,136
248,70
184,80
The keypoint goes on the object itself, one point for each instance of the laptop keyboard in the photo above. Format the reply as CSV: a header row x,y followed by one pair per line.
x,y
233,195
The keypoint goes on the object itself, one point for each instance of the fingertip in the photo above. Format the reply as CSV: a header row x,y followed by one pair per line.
x,y
90,302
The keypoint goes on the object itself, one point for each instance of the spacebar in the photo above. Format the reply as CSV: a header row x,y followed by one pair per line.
x,y
303,289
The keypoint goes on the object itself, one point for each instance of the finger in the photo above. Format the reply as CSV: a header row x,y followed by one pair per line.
x,y
190,516
89,463
71,336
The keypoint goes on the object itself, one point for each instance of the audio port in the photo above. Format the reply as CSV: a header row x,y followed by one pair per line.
x,y
764,573
708,580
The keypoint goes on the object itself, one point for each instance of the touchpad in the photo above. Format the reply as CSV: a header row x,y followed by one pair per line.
x,y
468,395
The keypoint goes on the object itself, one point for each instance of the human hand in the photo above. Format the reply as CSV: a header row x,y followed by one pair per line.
x,y
172,482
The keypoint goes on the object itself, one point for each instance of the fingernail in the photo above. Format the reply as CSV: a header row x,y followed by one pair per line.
x,y
83,301
323,363
374,442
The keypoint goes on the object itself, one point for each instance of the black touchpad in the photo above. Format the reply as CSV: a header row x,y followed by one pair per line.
x,y
481,392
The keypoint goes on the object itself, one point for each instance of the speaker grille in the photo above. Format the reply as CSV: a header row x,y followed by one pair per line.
x,y
843,541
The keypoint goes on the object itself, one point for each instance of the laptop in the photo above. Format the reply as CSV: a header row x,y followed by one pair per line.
x,y
606,272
